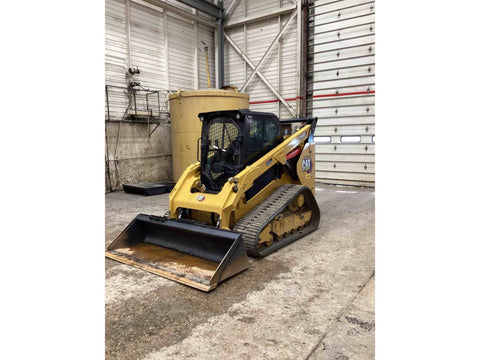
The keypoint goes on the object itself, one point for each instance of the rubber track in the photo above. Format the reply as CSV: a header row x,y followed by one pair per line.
x,y
254,222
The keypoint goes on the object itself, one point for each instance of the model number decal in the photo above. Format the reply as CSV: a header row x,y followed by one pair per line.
x,y
307,165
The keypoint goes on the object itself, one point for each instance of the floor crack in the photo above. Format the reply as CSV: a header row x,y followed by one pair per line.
x,y
339,315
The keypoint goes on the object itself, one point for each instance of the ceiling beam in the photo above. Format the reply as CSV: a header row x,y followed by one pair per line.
x,y
205,7
174,9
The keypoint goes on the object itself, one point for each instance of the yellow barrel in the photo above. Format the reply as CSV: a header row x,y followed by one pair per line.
x,y
186,127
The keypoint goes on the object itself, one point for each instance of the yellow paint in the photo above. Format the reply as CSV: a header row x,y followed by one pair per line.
x,y
306,178
185,125
231,205
265,236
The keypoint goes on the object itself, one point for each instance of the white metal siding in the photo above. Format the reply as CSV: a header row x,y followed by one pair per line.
x,y
205,33
235,67
239,10
341,87
181,53
255,7
288,67
259,36
153,39
254,38
148,45
116,54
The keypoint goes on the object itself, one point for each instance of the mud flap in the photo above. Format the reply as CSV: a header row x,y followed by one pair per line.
x,y
187,252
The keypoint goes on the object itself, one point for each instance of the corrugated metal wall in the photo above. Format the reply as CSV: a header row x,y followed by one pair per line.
x,y
204,33
181,61
341,88
254,38
166,47
147,37
116,51
168,51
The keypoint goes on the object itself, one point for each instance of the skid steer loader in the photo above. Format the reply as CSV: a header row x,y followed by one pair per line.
x,y
251,192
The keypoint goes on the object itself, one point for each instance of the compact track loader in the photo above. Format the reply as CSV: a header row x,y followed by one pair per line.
x,y
251,192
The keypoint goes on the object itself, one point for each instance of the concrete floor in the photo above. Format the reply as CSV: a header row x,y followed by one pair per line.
x,y
313,299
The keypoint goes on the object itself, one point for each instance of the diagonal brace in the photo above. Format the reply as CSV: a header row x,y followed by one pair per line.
x,y
229,10
272,45
260,75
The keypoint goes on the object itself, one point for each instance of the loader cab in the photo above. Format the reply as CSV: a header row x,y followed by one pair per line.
x,y
231,140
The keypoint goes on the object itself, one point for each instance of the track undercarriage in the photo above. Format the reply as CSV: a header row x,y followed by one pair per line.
x,y
288,214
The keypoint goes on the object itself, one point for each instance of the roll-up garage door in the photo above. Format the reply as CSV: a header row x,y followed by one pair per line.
x,y
341,89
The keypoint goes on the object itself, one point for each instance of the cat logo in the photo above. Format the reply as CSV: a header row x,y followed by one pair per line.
x,y
307,165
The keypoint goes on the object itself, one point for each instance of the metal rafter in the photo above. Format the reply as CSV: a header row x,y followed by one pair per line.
x,y
205,7
175,9
260,75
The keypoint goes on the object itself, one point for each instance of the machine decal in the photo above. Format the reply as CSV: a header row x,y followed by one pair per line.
x,y
200,197
269,161
307,165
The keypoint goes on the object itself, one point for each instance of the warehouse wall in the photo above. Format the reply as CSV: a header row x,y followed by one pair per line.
x,y
253,26
168,50
341,90
140,158
332,76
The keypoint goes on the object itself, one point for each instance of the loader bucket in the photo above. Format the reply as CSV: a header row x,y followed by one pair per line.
x,y
180,250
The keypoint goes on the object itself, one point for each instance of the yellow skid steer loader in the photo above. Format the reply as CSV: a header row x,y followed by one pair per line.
x,y
251,191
